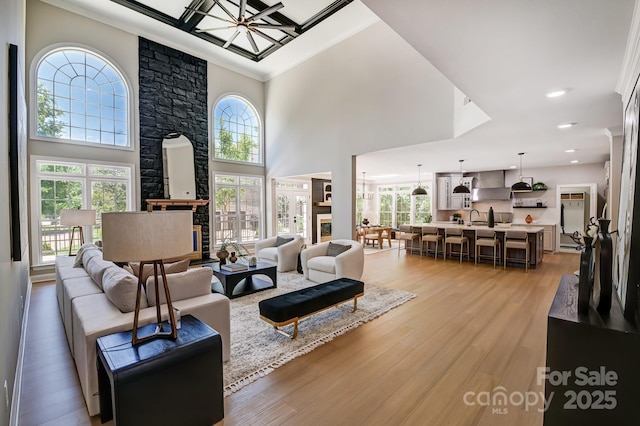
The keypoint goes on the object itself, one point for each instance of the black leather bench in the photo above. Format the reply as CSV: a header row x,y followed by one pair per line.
x,y
292,307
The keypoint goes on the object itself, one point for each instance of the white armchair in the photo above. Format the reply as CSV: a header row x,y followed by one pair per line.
x,y
285,254
319,266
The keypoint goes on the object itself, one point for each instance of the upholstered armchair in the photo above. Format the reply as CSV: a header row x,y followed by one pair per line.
x,y
331,260
282,250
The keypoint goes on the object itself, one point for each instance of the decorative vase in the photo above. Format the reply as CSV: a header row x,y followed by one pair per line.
x,y
604,305
528,219
222,255
491,222
233,257
365,221
585,283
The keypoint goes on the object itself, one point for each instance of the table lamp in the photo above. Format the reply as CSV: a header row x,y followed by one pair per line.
x,y
77,218
148,237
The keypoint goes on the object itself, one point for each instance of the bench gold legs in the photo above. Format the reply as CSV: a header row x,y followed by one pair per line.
x,y
296,320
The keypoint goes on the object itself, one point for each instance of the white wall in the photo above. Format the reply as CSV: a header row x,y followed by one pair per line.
x,y
373,91
15,275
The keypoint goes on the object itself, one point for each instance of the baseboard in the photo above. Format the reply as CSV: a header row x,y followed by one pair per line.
x,y
14,414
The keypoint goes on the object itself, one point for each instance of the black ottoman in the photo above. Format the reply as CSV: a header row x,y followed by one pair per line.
x,y
292,307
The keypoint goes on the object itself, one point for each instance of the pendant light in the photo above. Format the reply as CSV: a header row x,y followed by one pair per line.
x,y
461,189
521,186
419,190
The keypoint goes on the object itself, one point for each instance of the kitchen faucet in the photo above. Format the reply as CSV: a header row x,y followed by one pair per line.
x,y
471,214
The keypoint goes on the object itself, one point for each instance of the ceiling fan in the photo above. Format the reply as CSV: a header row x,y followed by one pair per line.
x,y
246,24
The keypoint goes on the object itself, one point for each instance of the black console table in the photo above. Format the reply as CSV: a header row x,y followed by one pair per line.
x,y
162,381
593,363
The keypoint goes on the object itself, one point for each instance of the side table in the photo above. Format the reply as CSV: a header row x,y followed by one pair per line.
x,y
162,381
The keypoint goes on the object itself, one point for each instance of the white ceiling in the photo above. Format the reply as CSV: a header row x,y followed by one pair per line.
x,y
504,54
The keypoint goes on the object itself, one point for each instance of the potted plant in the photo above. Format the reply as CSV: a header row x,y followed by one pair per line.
x,y
235,247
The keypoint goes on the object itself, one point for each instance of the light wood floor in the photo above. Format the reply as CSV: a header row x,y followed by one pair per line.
x,y
470,329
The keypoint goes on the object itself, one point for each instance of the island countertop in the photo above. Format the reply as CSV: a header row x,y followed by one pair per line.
x,y
497,228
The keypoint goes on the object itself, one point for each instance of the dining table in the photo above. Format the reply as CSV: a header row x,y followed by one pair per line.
x,y
376,233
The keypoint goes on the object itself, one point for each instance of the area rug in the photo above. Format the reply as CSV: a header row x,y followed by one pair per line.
x,y
385,247
256,349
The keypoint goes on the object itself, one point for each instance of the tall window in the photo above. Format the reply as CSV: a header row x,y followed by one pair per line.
x,y
237,131
238,208
62,184
81,97
398,207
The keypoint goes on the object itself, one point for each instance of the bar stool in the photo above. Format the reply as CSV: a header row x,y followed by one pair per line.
x,y
455,236
487,238
406,234
516,240
430,235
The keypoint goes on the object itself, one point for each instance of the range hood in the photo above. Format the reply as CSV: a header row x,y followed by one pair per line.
x,y
490,186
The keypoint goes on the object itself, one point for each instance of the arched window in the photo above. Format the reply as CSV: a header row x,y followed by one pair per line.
x,y
81,97
237,131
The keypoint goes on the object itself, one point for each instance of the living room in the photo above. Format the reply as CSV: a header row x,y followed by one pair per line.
x,y
350,74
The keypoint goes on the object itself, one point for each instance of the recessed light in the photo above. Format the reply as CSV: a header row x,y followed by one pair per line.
x,y
513,167
570,150
555,93
566,125
574,161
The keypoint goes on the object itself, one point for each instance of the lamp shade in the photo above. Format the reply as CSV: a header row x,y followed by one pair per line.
x,y
419,191
521,186
77,217
147,236
461,189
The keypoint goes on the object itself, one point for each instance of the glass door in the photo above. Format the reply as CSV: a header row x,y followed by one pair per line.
x,y
293,212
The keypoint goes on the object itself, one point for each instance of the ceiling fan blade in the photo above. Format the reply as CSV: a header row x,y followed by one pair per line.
x,y
211,16
267,11
275,27
233,37
225,9
243,7
252,42
266,37
203,30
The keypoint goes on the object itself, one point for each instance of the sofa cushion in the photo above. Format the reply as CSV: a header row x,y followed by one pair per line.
x,y
121,287
323,263
336,249
169,268
269,253
96,268
78,261
282,240
183,285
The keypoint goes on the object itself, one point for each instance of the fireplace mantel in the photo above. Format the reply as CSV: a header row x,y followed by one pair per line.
x,y
163,203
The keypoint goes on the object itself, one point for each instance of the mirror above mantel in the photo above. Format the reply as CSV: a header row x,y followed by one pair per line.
x,y
178,167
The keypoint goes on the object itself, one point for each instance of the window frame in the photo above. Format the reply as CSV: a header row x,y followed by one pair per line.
x,y
394,190
86,178
262,207
33,96
213,128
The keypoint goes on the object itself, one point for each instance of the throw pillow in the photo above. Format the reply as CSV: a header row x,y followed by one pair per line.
x,y
85,247
281,240
184,285
121,287
169,268
336,249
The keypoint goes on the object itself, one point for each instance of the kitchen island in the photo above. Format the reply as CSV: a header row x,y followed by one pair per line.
x,y
535,233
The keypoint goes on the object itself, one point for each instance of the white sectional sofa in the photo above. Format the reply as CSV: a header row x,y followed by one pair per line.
x,y
88,295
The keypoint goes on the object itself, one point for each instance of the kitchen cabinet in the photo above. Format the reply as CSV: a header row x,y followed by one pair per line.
x,y
447,200
549,235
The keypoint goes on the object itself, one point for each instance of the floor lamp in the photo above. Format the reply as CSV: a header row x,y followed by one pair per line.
x,y
148,237
77,218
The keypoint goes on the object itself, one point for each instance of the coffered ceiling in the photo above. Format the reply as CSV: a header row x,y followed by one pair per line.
x,y
505,55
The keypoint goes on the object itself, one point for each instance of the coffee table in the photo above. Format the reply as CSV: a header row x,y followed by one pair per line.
x,y
241,283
